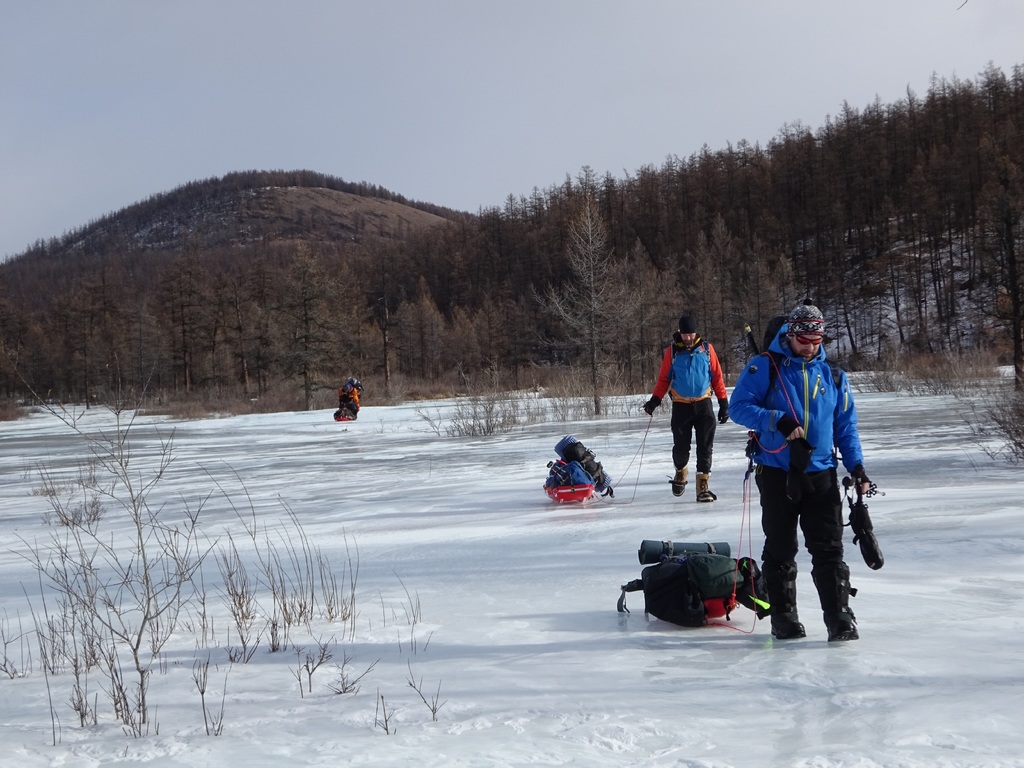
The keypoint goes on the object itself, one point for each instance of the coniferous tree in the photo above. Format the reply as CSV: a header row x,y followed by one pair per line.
x,y
307,293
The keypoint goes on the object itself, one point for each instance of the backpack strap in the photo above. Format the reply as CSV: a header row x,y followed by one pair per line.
x,y
677,345
633,586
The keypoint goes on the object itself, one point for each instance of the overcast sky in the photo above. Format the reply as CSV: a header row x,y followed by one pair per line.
x,y
453,102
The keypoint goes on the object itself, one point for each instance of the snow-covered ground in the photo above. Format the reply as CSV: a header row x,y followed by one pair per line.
x,y
485,618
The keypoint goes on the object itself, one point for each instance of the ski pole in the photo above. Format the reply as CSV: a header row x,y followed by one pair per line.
x,y
751,339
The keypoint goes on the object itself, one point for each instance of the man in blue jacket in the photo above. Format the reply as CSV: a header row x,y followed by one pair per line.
x,y
799,413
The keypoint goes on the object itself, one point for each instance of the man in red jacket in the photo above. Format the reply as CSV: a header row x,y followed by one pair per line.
x,y
690,373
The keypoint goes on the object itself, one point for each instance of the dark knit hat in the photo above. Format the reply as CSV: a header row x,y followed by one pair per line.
x,y
806,318
687,324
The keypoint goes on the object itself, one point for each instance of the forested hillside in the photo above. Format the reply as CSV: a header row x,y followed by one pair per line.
x,y
902,221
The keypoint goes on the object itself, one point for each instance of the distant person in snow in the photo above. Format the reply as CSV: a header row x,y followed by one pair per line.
x,y
691,374
348,400
799,410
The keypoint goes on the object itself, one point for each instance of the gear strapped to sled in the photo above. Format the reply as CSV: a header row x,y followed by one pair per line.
x,y
348,400
690,583
577,474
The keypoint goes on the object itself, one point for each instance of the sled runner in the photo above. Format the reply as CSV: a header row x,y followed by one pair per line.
x,y
570,493
576,475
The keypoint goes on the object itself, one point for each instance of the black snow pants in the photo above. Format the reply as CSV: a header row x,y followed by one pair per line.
x,y
687,418
819,513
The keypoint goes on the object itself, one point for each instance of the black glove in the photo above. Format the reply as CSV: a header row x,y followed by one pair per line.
x,y
786,425
800,451
860,478
651,404
858,474
797,481
723,410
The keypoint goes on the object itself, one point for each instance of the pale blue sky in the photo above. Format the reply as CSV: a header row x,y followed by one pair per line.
x,y
453,102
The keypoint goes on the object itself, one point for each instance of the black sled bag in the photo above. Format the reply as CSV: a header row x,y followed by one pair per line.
x,y
669,595
686,591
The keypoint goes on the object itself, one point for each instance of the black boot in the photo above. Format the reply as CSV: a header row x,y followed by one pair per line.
x,y
833,585
841,625
781,583
787,626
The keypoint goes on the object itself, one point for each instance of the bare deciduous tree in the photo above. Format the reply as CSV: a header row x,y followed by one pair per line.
x,y
590,302
125,591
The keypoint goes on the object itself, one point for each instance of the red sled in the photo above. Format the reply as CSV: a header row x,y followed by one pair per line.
x,y
569,493
717,607
344,416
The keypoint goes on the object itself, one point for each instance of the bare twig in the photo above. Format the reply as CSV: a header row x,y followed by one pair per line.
x,y
382,717
433,703
346,683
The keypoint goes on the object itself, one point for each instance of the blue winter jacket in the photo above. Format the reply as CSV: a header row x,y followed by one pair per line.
x,y
806,392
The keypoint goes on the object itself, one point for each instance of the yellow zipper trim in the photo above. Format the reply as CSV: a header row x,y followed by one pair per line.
x,y
807,399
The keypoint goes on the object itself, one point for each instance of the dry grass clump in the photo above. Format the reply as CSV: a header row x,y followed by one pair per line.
x,y
12,412
981,394
216,405
948,373
1004,419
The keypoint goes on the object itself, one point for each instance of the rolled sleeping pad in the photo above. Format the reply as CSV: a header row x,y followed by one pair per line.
x,y
564,443
652,551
